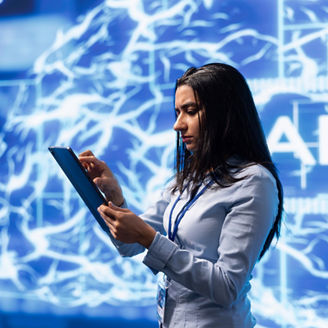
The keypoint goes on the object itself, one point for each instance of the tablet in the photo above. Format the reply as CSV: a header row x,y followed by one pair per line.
x,y
79,178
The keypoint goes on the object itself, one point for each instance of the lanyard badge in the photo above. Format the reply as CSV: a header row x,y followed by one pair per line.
x,y
162,287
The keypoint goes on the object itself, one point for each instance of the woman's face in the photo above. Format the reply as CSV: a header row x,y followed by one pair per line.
x,y
188,117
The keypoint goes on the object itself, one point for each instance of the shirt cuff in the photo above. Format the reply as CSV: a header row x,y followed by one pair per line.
x,y
159,252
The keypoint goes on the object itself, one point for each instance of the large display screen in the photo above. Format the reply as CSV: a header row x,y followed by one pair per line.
x,y
106,83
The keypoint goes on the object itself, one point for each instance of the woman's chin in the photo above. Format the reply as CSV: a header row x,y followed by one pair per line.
x,y
191,148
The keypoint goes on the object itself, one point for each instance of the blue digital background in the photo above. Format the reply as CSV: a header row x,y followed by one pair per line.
x,y
100,75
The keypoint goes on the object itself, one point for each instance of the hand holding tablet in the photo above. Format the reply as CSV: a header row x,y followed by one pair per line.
x,y
103,177
125,225
81,181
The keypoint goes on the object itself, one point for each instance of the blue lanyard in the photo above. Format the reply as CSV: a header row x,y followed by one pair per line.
x,y
183,211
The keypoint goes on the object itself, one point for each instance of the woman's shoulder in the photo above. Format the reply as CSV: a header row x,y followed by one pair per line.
x,y
255,169
255,173
169,188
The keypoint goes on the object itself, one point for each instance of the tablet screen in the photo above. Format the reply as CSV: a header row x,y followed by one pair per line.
x,y
79,178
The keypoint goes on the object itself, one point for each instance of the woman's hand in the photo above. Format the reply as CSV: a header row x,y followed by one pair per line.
x,y
125,226
102,176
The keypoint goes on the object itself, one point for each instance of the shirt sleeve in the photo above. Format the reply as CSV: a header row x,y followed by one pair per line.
x,y
246,226
154,217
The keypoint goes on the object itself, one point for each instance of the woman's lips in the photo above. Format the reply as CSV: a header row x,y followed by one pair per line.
x,y
186,139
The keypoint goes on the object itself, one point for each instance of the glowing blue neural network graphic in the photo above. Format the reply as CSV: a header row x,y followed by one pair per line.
x,y
107,84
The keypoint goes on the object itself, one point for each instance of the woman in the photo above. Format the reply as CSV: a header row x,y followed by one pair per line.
x,y
220,213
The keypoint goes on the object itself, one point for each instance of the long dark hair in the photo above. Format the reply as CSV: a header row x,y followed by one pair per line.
x,y
230,127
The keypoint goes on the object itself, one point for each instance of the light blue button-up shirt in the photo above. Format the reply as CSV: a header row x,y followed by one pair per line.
x,y
218,242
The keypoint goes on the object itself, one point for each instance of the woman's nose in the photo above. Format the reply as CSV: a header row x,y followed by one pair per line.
x,y
179,124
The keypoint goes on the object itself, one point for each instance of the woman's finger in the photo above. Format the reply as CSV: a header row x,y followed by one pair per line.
x,y
110,222
110,225
86,153
117,209
107,212
87,159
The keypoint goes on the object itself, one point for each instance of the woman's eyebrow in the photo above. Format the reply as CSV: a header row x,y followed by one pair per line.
x,y
187,105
